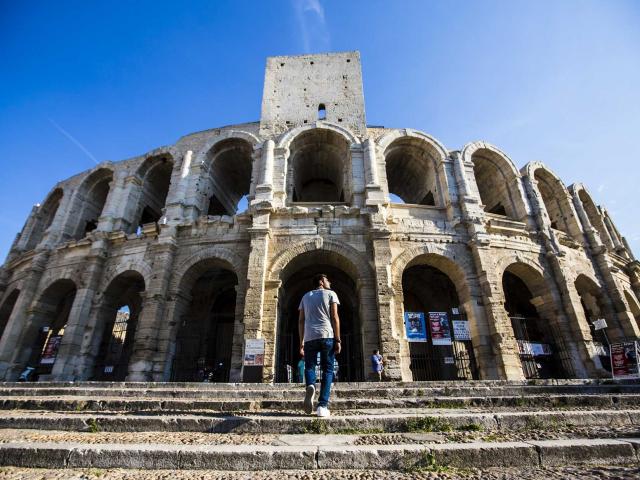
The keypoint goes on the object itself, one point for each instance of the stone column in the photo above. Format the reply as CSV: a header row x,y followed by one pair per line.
x,y
269,328
592,234
253,319
146,362
12,338
175,308
265,188
374,193
393,347
114,199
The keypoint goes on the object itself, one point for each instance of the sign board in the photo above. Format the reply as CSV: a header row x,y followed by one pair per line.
x,y
624,360
415,327
440,329
449,361
254,352
108,369
600,324
534,349
455,311
461,330
50,350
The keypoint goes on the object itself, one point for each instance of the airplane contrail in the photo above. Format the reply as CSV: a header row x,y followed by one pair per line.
x,y
75,142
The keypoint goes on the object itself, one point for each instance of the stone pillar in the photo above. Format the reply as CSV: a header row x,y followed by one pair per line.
x,y
178,191
176,307
374,193
114,199
264,190
393,347
592,234
14,333
269,328
253,319
71,361
27,230
146,362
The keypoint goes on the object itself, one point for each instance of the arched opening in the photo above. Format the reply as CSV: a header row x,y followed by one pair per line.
x,y
594,309
229,175
42,340
90,200
633,305
319,167
541,349
205,334
594,217
497,183
297,279
118,316
556,202
156,180
7,309
44,218
435,324
322,112
411,166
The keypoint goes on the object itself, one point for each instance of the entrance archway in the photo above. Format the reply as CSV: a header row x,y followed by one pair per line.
x,y
541,347
205,334
442,356
297,279
118,316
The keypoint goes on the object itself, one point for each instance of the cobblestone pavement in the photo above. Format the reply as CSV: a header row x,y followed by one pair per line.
x,y
628,472
197,438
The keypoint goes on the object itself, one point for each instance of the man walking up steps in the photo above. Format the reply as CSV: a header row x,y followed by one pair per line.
x,y
319,330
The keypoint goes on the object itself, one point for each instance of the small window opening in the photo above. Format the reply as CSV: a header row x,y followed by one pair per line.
x,y
339,119
348,60
498,210
282,64
311,63
322,112
428,199
90,226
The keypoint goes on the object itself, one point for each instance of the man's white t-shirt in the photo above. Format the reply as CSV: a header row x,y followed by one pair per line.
x,y
317,313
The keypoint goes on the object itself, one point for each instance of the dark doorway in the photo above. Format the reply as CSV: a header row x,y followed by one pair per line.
x,y
205,336
427,289
541,352
349,368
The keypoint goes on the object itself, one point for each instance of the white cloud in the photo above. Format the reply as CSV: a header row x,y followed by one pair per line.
x,y
312,25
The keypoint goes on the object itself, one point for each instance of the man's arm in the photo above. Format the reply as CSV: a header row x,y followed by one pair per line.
x,y
301,329
335,323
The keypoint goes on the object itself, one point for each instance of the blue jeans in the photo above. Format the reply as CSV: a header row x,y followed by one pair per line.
x,y
327,359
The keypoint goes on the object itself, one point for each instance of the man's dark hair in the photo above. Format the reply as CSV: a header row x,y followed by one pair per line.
x,y
317,279
375,351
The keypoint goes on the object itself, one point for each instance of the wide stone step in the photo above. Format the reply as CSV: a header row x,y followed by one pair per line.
x,y
87,404
310,455
375,421
293,392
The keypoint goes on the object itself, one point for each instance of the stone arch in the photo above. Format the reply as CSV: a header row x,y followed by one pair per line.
x,y
89,201
497,180
356,265
634,306
532,310
6,308
318,165
288,137
189,270
115,327
555,199
414,166
205,316
352,279
150,192
141,267
594,219
227,172
45,215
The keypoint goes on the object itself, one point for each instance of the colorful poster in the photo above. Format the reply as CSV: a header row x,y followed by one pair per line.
x,y
461,330
624,360
440,329
415,327
50,350
254,352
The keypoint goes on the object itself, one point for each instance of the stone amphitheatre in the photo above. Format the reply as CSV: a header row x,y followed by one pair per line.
x,y
151,269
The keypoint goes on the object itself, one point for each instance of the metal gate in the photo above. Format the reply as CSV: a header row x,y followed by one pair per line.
x,y
542,351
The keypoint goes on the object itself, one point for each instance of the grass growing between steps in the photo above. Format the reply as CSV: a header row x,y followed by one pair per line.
x,y
431,424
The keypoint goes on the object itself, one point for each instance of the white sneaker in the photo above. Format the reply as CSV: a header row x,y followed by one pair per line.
x,y
323,412
308,399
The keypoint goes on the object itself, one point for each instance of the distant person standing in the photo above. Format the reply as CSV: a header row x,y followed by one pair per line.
x,y
319,330
377,364
300,367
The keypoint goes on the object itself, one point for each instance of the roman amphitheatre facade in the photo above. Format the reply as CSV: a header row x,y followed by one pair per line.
x,y
145,269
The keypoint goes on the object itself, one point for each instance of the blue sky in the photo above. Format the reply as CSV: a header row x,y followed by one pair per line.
x,y
555,81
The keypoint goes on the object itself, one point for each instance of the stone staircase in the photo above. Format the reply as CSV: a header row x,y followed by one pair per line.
x,y
409,427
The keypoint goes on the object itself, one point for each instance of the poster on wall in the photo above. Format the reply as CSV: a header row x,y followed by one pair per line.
x,y
624,360
415,327
461,330
51,350
440,329
254,352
